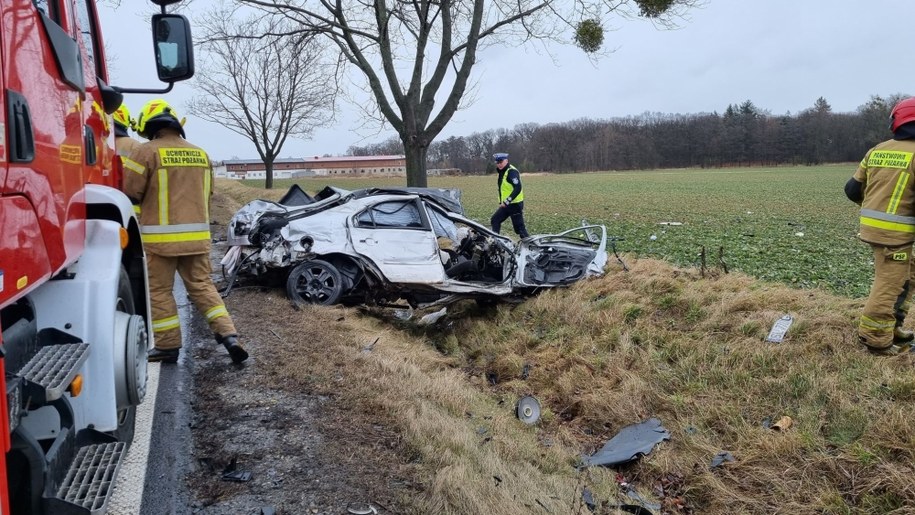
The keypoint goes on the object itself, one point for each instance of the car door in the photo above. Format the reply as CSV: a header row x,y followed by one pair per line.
x,y
396,236
561,259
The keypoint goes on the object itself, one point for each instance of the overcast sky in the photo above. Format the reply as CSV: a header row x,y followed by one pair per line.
x,y
780,54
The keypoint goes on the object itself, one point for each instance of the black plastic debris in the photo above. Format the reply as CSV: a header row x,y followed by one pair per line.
x,y
630,443
721,458
643,503
231,472
296,196
268,510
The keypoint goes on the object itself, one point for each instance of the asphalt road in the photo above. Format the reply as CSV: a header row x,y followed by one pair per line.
x,y
162,451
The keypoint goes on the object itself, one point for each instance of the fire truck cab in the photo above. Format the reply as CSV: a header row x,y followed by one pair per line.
x,y
74,302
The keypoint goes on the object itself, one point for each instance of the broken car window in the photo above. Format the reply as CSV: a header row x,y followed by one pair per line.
x,y
397,214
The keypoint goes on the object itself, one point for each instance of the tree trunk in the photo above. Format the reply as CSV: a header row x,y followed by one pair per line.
x,y
268,175
416,163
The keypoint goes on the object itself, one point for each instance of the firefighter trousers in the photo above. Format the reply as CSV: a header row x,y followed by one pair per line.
x,y
890,296
194,270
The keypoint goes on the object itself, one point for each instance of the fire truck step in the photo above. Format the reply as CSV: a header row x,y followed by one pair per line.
x,y
89,482
52,369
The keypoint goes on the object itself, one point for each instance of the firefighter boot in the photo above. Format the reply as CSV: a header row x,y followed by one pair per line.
x,y
236,351
891,350
163,355
901,335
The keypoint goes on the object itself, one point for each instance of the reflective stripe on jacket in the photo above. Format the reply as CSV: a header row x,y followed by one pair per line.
x,y
887,214
506,187
172,180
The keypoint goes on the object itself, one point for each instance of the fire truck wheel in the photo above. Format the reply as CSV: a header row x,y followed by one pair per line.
x,y
132,372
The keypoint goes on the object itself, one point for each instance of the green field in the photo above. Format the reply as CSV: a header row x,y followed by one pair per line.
x,y
753,216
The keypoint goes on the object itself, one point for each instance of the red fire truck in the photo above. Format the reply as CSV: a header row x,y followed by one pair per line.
x,y
74,302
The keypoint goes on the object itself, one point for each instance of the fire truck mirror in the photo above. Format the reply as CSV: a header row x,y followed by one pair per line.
x,y
173,47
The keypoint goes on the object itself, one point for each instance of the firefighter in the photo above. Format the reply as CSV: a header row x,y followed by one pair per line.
x,y
172,181
123,143
883,187
511,197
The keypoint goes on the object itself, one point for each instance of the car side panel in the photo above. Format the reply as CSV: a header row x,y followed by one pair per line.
x,y
408,256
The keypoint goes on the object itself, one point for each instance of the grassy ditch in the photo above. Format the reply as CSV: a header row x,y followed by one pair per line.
x,y
653,342
657,341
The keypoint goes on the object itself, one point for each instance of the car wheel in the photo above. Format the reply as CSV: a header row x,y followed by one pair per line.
x,y
315,282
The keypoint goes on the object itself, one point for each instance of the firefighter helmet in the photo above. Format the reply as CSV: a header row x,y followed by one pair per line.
x,y
155,115
903,113
122,118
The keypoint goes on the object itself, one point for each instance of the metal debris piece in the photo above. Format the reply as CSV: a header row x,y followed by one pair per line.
x,y
632,494
231,472
362,509
403,314
369,347
432,318
721,458
779,328
588,498
630,443
528,409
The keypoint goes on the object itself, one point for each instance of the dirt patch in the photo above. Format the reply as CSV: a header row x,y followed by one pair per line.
x,y
307,451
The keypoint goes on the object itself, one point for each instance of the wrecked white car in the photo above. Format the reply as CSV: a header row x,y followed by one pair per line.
x,y
384,246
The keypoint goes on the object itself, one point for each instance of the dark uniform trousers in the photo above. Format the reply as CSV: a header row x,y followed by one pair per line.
x,y
515,211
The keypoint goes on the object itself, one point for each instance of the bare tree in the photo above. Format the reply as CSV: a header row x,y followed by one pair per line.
x,y
263,81
416,56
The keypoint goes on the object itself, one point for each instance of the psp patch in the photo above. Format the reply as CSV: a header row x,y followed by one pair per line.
x,y
183,157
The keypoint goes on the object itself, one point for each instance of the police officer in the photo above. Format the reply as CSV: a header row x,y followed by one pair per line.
x,y
123,143
511,197
172,181
883,187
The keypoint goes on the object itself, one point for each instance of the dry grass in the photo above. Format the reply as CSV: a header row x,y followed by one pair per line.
x,y
656,341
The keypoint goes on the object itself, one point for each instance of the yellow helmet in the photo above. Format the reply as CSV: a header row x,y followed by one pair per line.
x,y
122,117
159,114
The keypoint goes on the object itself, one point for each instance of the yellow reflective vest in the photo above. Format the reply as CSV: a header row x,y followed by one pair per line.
x,y
506,187
172,181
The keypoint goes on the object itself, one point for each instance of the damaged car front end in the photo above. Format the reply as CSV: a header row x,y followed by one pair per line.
x,y
389,246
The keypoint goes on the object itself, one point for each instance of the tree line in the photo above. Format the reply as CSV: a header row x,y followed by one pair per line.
x,y
742,135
